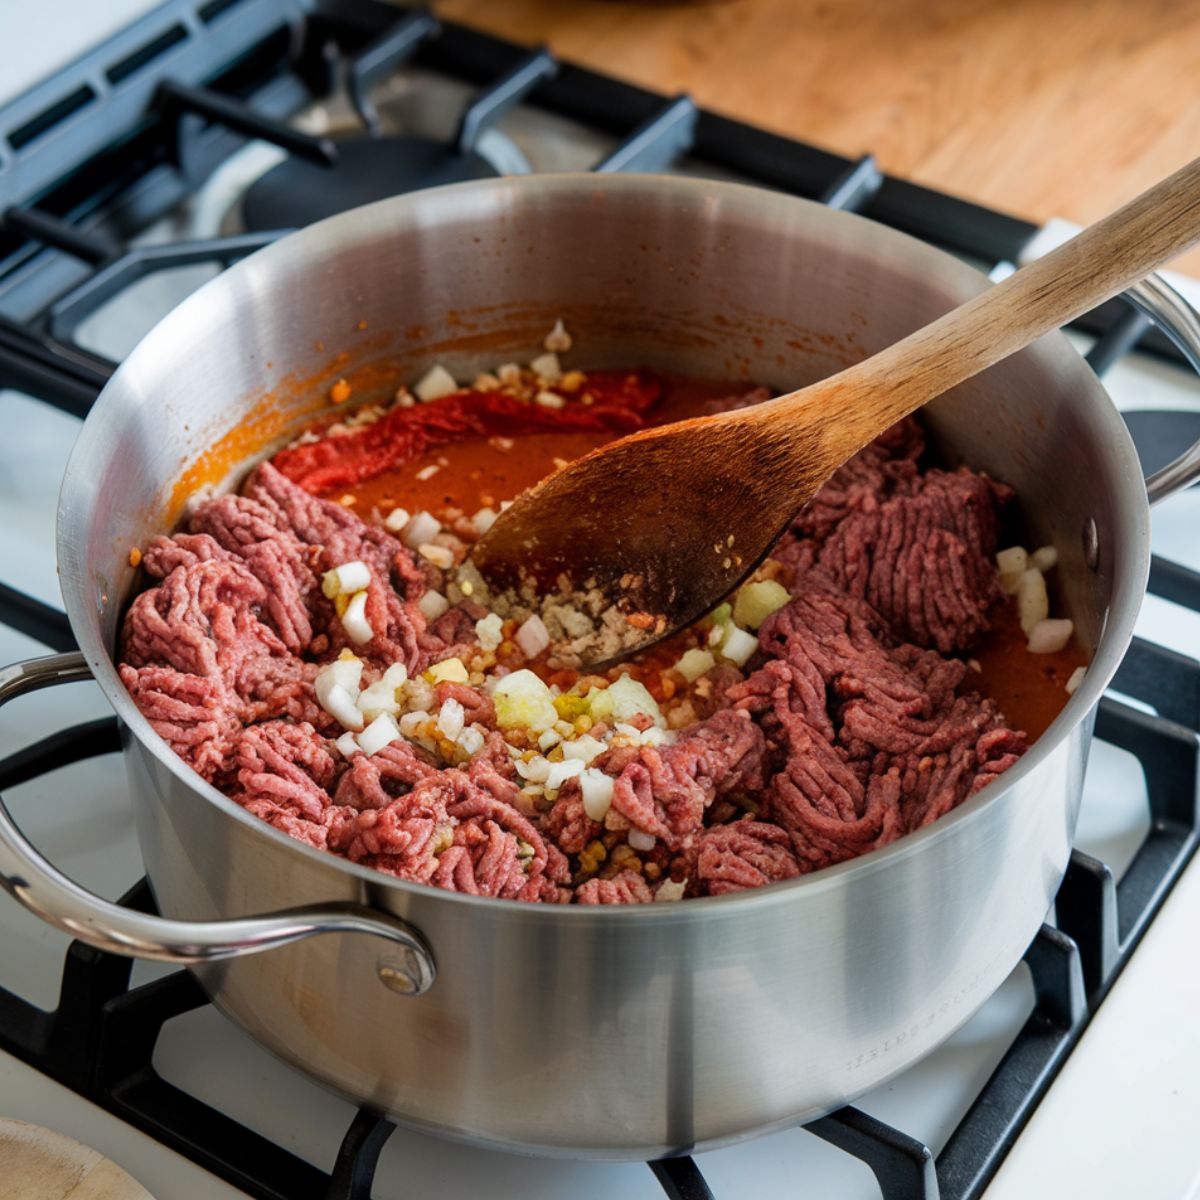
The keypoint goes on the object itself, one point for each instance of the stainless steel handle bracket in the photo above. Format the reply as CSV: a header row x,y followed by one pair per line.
x,y
44,890
1180,322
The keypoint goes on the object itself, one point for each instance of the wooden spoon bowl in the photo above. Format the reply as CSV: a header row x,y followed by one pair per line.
x,y
667,522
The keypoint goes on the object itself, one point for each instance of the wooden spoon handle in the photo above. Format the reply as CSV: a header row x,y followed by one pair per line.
x,y
1096,264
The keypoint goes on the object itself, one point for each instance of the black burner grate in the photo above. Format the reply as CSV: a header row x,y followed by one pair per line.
x,y
174,94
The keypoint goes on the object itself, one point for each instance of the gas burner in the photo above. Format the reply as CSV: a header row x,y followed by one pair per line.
x,y
297,192
405,150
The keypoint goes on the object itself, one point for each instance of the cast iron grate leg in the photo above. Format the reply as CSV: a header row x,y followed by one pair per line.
x,y
354,1171
1006,1102
681,1179
903,1165
1105,918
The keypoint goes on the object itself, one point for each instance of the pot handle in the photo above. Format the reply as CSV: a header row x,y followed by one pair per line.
x,y
1155,297
407,967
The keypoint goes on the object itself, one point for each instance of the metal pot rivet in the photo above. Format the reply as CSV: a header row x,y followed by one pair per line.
x,y
397,976
1091,544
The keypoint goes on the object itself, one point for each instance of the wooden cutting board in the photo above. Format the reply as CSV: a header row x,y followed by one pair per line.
x,y
36,1164
1036,107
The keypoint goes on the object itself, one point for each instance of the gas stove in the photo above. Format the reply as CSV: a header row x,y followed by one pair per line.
x,y
194,133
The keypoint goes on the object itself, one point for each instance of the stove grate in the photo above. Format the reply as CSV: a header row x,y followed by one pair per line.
x,y
285,53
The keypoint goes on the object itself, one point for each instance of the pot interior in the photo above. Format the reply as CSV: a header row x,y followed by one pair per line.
x,y
707,279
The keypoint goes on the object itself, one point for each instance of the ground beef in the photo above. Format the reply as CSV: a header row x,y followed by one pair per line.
x,y
283,772
566,824
744,854
218,643
626,888
850,728
666,792
871,737
919,547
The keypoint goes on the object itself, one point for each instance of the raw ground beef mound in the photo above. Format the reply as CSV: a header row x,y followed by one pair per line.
x,y
849,729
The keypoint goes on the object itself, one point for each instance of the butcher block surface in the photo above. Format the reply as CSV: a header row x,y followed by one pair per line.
x,y
1040,108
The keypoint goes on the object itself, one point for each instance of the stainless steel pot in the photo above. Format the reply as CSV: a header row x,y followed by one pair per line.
x,y
617,1032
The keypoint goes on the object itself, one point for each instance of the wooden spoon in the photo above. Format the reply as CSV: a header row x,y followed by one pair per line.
x,y
666,522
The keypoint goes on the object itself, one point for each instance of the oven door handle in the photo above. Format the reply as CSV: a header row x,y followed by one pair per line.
x,y
34,882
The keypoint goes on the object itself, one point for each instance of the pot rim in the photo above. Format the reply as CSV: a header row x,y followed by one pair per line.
x,y
1131,570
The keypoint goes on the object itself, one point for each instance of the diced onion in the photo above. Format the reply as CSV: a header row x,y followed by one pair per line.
x,y
411,722
440,556
427,472
1077,676
423,528
435,383
627,698
549,399
558,339
345,580
656,737
508,373
596,790
695,663
449,670
339,704
354,620
1049,636
347,746
419,694
1033,604
380,697
757,601
381,732
522,699
585,749
433,604
347,672
533,637
490,631
397,519
738,646
547,367
336,687
484,519
549,740
671,890
395,676
560,772
536,770
1044,558
471,740
1012,564
451,718
640,840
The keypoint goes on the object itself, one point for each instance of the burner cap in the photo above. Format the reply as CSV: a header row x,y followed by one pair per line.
x,y
298,192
